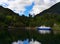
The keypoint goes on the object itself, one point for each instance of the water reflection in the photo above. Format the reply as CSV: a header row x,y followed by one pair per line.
x,y
27,42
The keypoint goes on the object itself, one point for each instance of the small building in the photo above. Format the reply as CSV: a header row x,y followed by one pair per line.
x,y
44,29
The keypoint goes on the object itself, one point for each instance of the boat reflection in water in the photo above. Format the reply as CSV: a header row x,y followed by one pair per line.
x,y
44,29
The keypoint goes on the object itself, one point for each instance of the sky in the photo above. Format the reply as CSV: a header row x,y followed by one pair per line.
x,y
26,7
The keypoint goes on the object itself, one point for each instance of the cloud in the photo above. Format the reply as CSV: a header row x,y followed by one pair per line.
x,y
41,5
18,6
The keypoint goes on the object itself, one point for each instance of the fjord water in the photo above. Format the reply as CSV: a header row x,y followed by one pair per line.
x,y
24,36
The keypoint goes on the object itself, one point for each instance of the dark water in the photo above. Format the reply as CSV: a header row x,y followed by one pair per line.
x,y
9,36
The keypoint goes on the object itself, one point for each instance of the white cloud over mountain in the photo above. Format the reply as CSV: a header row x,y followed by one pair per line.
x,y
18,6
41,5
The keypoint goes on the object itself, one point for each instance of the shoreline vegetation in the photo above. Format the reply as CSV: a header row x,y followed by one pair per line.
x,y
55,31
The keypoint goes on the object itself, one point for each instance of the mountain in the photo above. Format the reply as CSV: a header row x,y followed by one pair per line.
x,y
49,16
6,11
55,9
10,19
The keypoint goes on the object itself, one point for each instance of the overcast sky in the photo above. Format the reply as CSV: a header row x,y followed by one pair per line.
x,y
28,6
